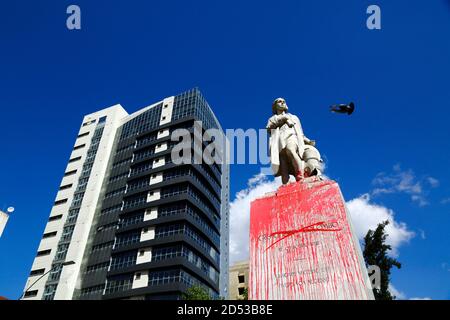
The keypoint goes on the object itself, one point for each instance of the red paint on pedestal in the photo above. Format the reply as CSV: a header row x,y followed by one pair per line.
x,y
302,245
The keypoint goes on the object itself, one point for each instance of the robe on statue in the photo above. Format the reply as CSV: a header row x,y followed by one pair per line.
x,y
280,134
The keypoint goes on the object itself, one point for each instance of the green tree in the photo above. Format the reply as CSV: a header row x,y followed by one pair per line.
x,y
245,294
376,253
196,293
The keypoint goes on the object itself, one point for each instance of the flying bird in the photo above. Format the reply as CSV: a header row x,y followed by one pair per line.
x,y
343,108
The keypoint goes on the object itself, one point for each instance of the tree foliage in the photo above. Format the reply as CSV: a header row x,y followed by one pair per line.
x,y
376,253
245,295
196,293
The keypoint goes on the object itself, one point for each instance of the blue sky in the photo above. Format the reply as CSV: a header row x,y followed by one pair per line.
x,y
242,55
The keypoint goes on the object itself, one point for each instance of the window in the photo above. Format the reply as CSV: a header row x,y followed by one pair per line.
x,y
92,290
70,173
49,235
37,272
164,118
67,233
102,119
88,123
98,267
141,253
83,134
49,292
166,106
74,159
151,193
138,276
67,186
241,291
102,246
59,202
61,251
30,294
241,279
79,147
145,230
54,218
43,253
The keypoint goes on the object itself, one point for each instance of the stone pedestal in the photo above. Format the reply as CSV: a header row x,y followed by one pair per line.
x,y
302,245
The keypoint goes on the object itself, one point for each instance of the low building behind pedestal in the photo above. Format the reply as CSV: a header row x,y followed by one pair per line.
x,y
238,280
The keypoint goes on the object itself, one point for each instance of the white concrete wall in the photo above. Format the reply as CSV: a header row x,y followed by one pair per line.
x,y
144,255
154,195
163,133
70,274
166,111
151,214
147,233
160,147
80,234
140,279
45,262
158,162
156,178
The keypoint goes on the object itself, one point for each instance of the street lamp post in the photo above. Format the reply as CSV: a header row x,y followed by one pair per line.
x,y
4,216
67,263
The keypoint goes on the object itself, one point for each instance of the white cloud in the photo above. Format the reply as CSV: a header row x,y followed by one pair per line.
x,y
398,294
445,266
400,181
422,234
420,200
433,182
366,215
240,214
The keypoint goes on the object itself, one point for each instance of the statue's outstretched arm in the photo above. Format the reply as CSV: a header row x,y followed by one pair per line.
x,y
276,122
308,141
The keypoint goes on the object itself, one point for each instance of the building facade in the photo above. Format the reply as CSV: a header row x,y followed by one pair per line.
x,y
128,221
238,280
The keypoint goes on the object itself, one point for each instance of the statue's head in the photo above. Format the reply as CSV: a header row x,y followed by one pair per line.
x,y
279,105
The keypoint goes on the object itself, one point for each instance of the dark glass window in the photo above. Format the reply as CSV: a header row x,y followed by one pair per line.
x,y
55,217
88,123
57,203
30,294
37,272
79,147
43,253
67,186
70,173
49,235
74,159
83,134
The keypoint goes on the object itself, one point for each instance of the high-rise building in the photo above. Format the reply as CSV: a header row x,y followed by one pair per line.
x,y
128,222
